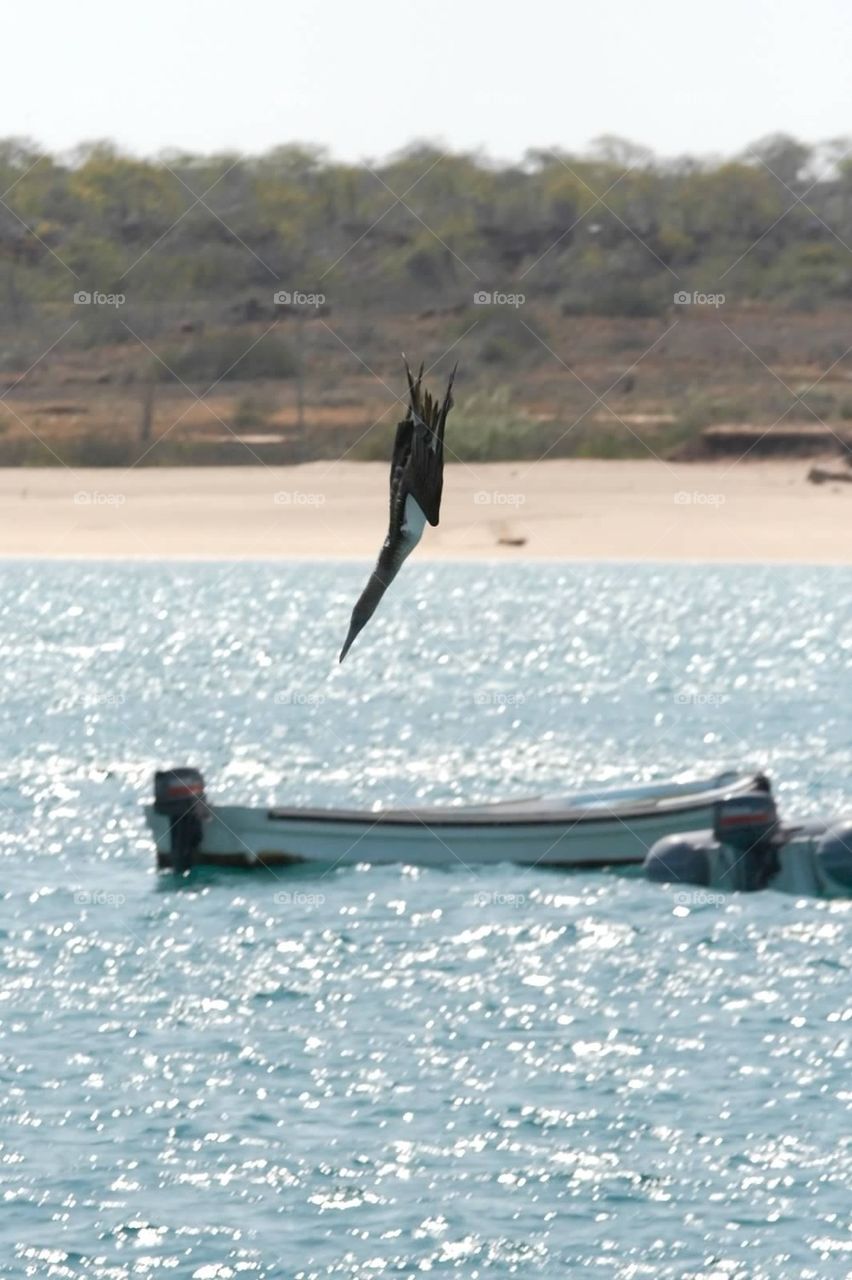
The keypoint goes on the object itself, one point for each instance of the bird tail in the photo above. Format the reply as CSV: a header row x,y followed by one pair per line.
x,y
430,413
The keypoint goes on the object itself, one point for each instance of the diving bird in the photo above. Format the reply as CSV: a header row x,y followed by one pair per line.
x,y
416,481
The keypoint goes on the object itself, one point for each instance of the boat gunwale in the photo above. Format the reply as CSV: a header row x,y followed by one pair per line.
x,y
448,817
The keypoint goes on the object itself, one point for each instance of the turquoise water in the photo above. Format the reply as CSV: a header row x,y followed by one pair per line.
x,y
399,1072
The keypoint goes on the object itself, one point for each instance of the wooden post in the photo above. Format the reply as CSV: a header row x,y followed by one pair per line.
x,y
300,374
146,424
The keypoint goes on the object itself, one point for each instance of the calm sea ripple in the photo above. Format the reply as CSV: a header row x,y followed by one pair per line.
x,y
389,1071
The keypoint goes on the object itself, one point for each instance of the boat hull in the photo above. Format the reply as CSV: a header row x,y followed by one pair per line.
x,y
538,833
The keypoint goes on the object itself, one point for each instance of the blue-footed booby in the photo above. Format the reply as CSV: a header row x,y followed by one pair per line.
x,y
416,481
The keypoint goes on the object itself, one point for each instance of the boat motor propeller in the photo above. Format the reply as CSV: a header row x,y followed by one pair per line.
x,y
179,796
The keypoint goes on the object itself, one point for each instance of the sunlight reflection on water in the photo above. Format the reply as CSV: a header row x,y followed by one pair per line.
x,y
396,1070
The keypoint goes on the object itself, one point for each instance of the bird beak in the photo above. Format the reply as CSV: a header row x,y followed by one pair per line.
x,y
367,604
354,628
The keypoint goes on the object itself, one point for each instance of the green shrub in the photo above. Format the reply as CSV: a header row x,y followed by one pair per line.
x,y
225,355
485,427
100,449
822,404
702,410
252,410
635,299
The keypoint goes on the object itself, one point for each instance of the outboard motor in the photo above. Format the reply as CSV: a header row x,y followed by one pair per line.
x,y
681,859
179,795
741,851
748,824
834,859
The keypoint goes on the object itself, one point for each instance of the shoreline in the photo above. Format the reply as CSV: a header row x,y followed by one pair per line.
x,y
571,511
119,557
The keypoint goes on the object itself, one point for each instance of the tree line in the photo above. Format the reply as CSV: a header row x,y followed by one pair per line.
x,y
615,231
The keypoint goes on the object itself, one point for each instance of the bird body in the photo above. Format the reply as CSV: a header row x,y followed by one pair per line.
x,y
413,520
416,485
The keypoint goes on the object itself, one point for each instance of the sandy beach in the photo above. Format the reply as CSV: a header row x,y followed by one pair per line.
x,y
763,511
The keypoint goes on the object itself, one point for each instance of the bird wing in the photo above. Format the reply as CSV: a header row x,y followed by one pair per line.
x,y
423,472
399,464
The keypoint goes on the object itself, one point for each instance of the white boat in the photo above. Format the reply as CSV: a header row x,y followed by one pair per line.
x,y
587,829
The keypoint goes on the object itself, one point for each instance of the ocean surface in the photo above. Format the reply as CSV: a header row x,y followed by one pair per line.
x,y
392,1072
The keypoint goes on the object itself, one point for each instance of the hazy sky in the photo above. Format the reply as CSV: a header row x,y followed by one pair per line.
x,y
365,78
